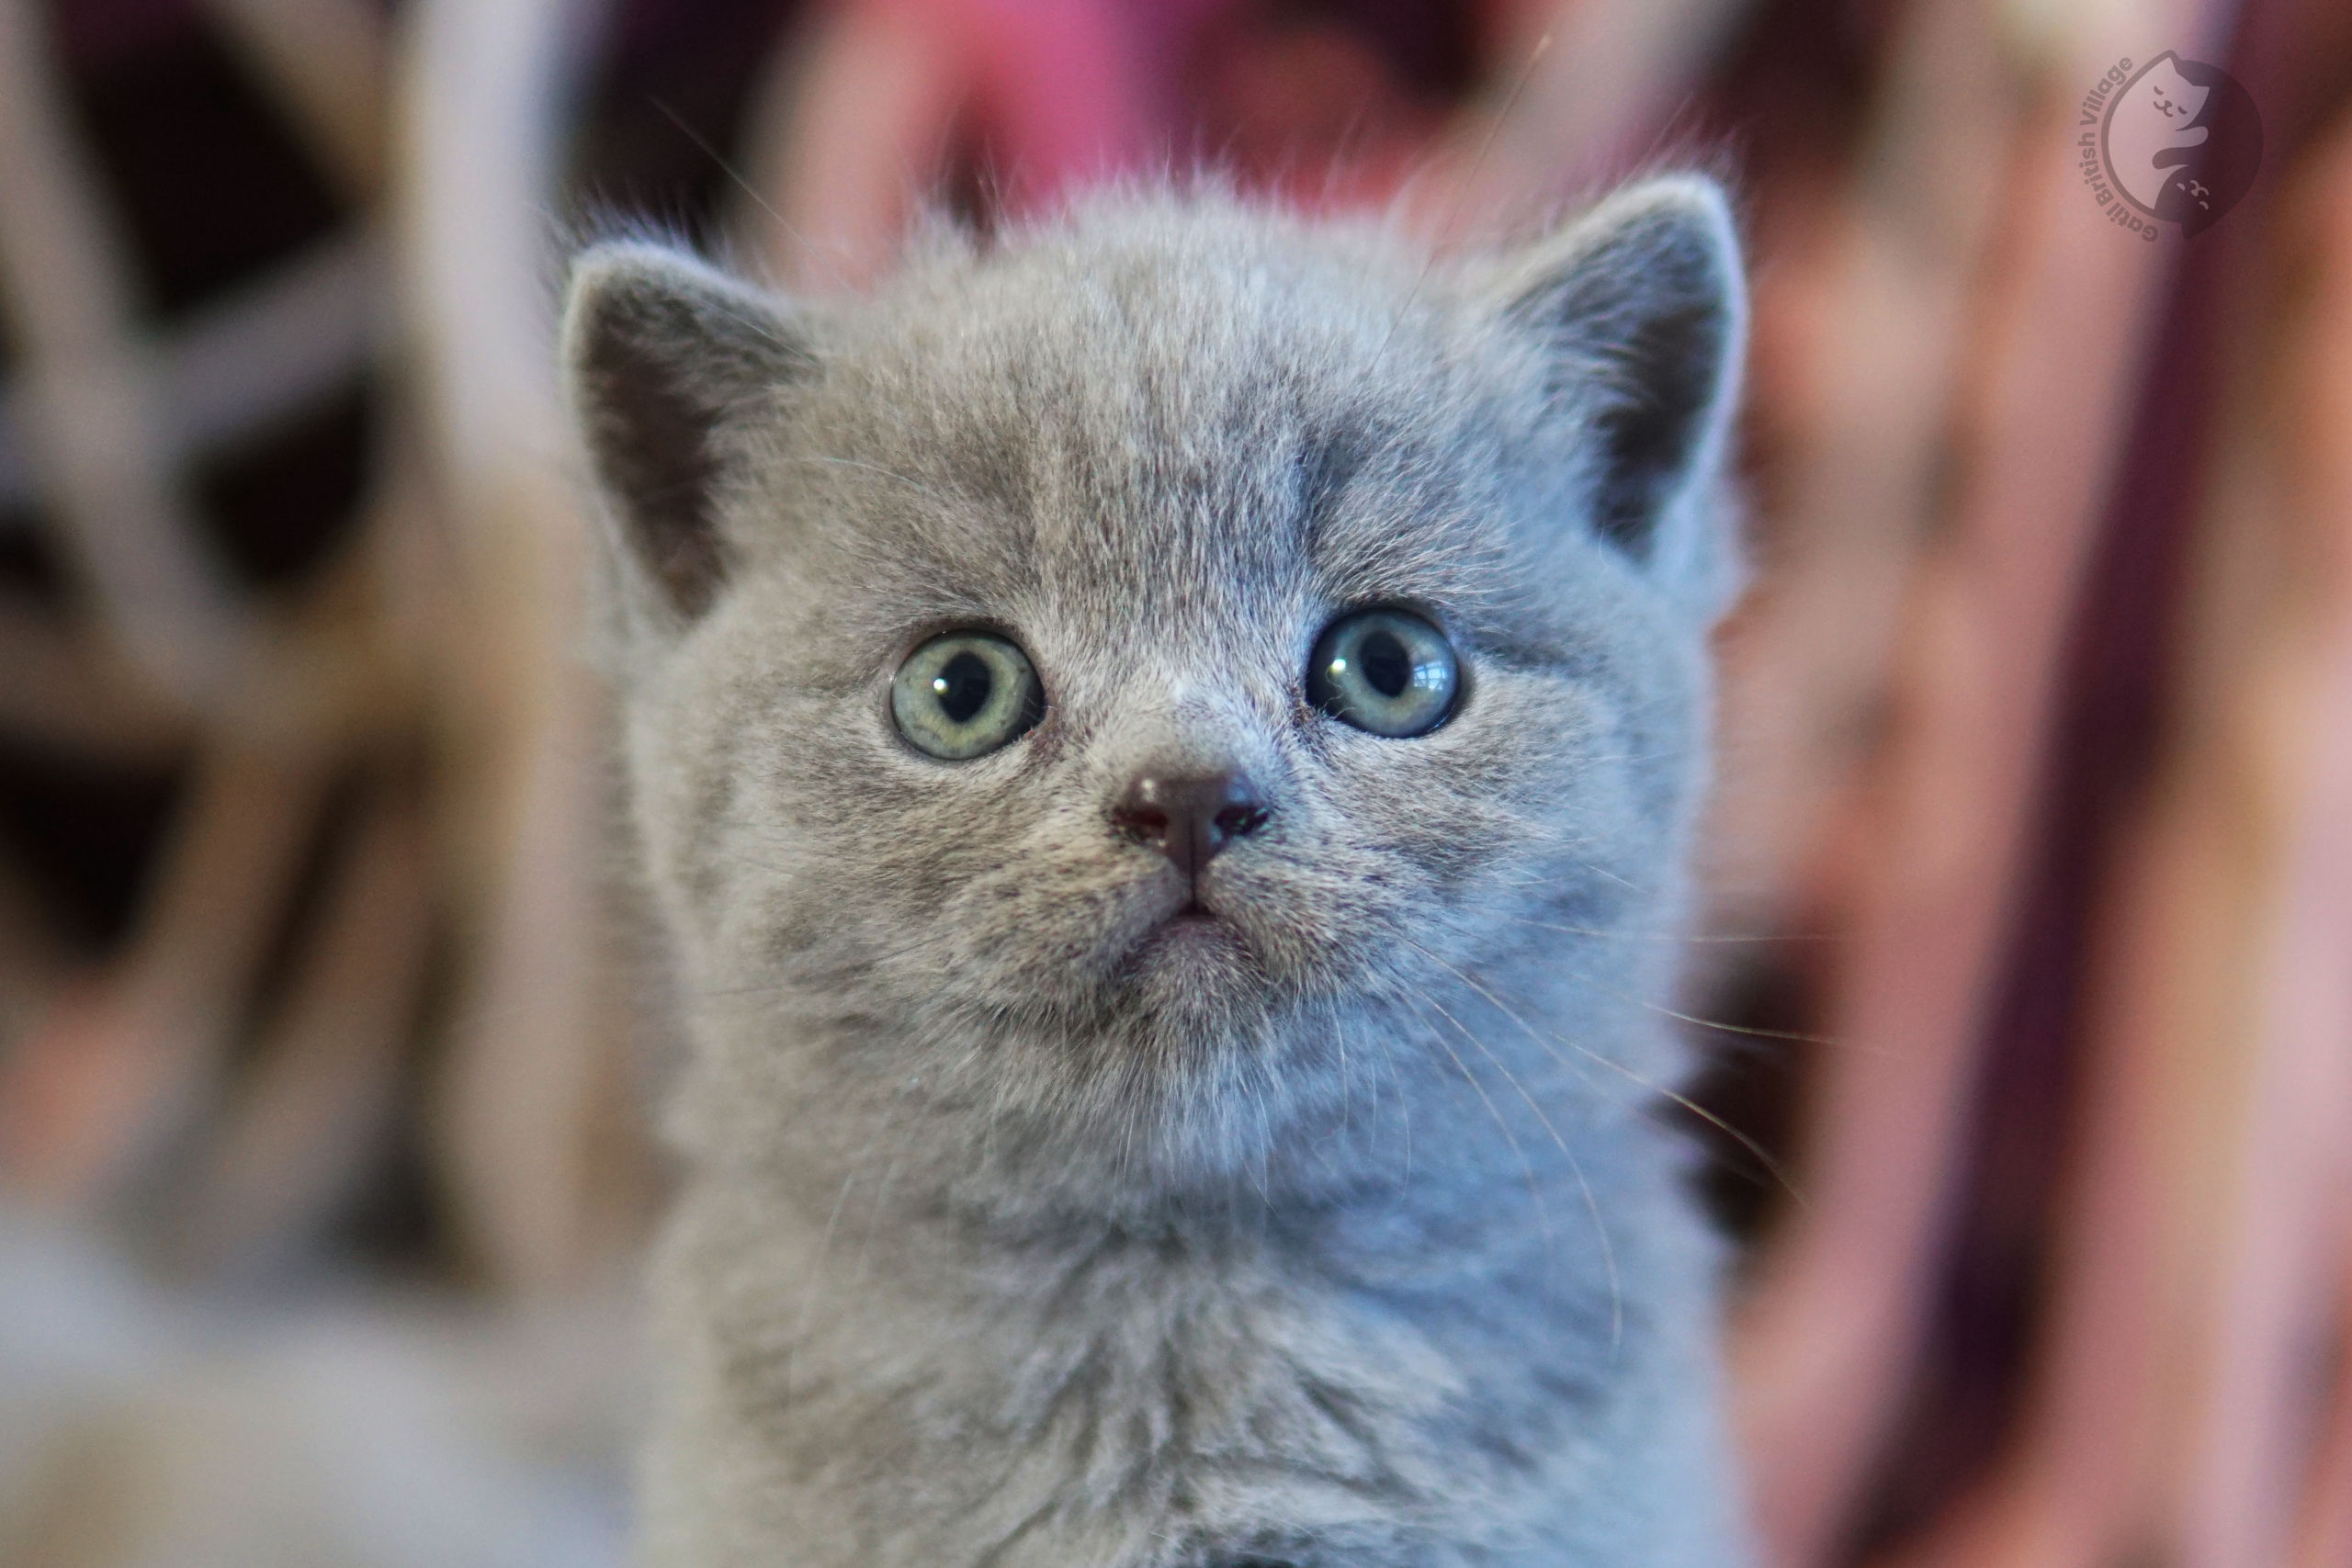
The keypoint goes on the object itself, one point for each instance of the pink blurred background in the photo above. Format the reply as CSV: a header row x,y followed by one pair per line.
x,y
327,1038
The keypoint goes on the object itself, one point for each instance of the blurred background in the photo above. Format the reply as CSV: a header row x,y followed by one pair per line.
x,y
327,1038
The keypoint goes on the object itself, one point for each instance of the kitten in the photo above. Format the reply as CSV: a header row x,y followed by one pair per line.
x,y
1166,746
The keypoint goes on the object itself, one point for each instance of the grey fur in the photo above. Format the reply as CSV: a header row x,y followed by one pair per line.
x,y
1014,1235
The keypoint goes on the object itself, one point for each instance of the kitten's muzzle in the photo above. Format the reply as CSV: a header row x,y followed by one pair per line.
x,y
1189,818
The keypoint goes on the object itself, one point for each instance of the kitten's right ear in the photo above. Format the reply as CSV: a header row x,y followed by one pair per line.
x,y
660,354
1641,310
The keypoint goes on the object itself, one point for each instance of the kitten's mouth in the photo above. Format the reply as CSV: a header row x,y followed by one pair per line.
x,y
1192,921
1185,927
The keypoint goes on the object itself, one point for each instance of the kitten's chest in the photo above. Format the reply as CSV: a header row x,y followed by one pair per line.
x,y
1124,1393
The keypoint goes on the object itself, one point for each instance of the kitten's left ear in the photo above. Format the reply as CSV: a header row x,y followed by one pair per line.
x,y
664,359
1642,313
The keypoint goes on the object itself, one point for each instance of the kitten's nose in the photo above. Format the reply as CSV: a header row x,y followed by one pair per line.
x,y
1189,818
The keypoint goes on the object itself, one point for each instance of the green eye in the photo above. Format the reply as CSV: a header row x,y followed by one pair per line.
x,y
1384,671
966,694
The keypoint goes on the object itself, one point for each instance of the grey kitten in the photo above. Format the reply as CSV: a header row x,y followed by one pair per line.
x,y
1165,747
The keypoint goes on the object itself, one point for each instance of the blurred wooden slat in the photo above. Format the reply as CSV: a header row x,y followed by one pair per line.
x,y
34,962
320,1101
1883,332
56,696
1825,1343
66,288
2324,1528
90,414
2280,1250
1575,94
327,60
863,105
258,356
523,812
2323,1535
2203,1229
120,1065
242,363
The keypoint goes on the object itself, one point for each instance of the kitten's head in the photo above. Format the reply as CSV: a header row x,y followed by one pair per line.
x,y
1101,677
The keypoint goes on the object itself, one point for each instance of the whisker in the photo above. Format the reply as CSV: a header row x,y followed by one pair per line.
x,y
727,167
1798,1036
1762,1156
1462,189
881,1201
1593,1204
1622,934
817,1276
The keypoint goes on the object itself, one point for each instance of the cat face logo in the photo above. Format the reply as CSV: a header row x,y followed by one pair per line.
x,y
2178,141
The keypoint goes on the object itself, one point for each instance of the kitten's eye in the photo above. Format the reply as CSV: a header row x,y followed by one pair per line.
x,y
1384,671
966,694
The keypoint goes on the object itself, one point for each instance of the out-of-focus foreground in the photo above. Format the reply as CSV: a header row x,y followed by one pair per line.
x,y
326,1043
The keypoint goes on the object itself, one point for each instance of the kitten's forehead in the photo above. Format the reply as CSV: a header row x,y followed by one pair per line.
x,y
1194,423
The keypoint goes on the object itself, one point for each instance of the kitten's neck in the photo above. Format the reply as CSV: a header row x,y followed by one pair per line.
x,y
1427,1113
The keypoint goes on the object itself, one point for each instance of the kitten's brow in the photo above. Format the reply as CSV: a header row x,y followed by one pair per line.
x,y
908,480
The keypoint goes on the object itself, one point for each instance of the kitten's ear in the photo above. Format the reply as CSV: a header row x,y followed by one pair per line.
x,y
661,356
1643,310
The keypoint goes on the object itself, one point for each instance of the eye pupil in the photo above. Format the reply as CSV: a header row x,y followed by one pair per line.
x,y
1386,670
963,687
966,694
1385,663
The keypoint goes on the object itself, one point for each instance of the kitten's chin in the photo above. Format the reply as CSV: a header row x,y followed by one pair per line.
x,y
1194,931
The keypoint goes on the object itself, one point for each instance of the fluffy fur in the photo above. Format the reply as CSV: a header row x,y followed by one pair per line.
x,y
1022,1226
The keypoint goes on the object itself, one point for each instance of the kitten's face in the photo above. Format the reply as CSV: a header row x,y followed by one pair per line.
x,y
1161,456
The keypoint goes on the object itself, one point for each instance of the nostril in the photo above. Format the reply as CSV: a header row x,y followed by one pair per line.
x,y
1143,824
1187,817
1240,822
